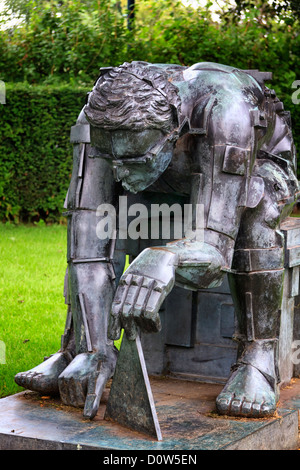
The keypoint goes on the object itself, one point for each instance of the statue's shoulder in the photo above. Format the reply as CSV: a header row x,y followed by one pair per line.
x,y
193,69
212,66
220,73
210,71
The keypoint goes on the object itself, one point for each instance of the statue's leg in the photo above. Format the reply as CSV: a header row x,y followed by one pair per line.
x,y
86,353
44,377
91,282
256,286
92,287
252,389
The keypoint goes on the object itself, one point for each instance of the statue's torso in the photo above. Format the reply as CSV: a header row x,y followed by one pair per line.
x,y
201,87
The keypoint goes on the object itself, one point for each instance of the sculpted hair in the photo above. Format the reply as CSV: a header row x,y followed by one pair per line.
x,y
134,96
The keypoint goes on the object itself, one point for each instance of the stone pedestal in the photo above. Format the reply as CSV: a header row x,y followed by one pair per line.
x,y
186,412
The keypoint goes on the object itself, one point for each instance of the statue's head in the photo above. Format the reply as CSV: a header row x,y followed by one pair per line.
x,y
133,115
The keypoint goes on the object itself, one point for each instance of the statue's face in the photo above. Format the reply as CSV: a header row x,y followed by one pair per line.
x,y
138,158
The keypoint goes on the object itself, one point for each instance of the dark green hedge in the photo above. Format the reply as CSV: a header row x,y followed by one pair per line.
x,y
35,152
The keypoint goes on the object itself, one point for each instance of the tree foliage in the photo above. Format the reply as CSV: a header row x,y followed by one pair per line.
x,y
63,40
285,10
68,40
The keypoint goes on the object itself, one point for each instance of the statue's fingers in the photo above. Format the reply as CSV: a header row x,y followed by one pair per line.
x,y
142,299
121,293
146,320
132,294
127,318
151,311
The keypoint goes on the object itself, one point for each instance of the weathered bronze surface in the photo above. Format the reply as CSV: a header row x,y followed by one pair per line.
x,y
130,400
210,135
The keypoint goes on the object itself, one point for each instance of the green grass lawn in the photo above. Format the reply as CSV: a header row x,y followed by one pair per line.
x,y
32,309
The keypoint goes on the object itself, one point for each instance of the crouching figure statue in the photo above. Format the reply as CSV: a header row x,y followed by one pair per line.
x,y
217,136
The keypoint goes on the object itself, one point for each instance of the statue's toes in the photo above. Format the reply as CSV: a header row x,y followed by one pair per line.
x,y
20,379
223,402
231,405
246,408
236,406
24,379
37,382
256,409
268,409
259,408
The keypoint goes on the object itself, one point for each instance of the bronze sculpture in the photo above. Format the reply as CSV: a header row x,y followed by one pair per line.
x,y
208,134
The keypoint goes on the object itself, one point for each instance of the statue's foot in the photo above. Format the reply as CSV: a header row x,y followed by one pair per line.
x,y
44,377
247,393
97,383
83,381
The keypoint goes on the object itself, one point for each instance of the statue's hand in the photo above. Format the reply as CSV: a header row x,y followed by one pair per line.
x,y
141,291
